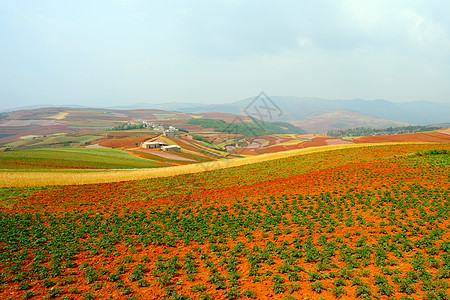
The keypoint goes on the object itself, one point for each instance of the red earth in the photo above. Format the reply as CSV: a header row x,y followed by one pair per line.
x,y
390,230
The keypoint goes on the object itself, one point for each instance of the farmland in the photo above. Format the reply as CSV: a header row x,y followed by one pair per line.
x,y
39,178
367,222
72,158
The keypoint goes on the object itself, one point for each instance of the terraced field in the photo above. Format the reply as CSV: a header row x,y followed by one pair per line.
x,y
368,222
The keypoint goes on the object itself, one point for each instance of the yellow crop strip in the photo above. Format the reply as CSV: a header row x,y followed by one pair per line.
x,y
59,116
23,179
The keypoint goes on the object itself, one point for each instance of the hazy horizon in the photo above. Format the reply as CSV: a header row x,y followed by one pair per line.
x,y
123,52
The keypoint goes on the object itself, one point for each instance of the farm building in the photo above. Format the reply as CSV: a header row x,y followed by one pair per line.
x,y
169,133
150,145
174,148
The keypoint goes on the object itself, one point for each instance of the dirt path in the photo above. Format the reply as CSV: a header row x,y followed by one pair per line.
x,y
153,138
21,179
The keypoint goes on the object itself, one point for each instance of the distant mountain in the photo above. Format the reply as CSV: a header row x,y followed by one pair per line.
x,y
359,112
169,106
342,120
39,106
320,115
417,113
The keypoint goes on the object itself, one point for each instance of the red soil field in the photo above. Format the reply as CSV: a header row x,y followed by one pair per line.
x,y
337,142
191,145
316,142
123,139
273,149
373,223
33,130
431,136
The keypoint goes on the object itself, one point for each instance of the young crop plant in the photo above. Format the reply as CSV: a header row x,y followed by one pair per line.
x,y
138,272
199,288
232,293
278,279
25,286
91,274
338,291
279,288
143,283
386,289
206,296
29,295
249,293
54,292
406,285
48,283
339,282
314,276
97,286
363,291
88,296
127,290
318,287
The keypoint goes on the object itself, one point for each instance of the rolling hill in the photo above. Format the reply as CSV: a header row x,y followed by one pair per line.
x,y
355,112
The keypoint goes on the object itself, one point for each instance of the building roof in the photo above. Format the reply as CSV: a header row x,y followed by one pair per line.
x,y
153,143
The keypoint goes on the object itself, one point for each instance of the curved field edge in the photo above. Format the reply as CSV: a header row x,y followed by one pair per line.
x,y
21,179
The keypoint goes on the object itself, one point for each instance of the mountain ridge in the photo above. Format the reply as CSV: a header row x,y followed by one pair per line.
x,y
301,108
377,113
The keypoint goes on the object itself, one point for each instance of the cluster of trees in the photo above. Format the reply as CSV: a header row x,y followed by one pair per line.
x,y
126,126
200,138
365,131
257,128
3,116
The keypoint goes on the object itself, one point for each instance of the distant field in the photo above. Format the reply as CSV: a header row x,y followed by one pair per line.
x,y
59,116
71,158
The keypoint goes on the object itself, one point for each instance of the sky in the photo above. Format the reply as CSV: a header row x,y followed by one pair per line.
x,y
120,52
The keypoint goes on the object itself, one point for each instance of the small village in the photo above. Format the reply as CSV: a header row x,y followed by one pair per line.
x,y
154,143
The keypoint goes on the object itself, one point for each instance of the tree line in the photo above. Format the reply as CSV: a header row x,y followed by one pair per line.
x,y
366,131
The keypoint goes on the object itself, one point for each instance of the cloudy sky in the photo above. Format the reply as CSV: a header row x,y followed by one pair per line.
x,y
118,52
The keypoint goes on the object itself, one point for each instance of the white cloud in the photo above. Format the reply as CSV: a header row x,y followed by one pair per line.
x,y
423,32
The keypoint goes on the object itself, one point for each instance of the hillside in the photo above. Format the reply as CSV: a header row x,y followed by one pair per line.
x,y
73,139
70,127
347,223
